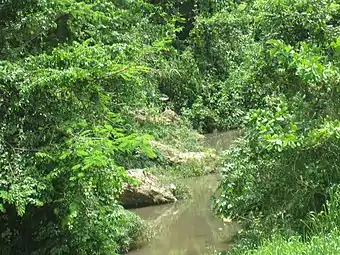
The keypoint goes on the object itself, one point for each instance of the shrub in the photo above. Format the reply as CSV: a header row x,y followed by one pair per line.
x,y
61,133
287,162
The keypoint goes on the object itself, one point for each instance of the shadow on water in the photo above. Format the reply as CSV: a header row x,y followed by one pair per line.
x,y
189,227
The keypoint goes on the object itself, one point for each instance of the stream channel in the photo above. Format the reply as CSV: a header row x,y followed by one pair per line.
x,y
188,227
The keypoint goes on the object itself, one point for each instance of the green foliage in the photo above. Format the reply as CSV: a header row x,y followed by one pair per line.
x,y
328,244
295,21
203,80
328,219
287,162
67,71
322,236
70,71
287,159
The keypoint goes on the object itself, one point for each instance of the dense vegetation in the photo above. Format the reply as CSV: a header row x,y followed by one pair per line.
x,y
73,73
73,77
283,170
64,78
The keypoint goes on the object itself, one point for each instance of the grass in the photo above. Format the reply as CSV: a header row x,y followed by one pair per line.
x,y
320,244
322,236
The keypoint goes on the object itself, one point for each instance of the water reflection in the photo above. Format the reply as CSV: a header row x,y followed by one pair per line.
x,y
189,227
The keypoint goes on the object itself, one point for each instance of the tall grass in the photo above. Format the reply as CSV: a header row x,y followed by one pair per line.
x,y
319,244
328,220
322,234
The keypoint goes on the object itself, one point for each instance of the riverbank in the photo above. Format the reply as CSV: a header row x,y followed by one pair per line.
x,y
190,162
188,226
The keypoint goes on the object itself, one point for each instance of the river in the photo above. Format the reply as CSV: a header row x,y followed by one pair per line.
x,y
189,227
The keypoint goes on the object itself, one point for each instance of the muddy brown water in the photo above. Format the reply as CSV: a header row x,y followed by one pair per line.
x,y
189,227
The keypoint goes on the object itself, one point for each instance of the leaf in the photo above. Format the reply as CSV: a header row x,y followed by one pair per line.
x,y
76,167
149,152
65,155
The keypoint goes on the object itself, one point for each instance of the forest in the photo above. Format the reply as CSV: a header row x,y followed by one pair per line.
x,y
76,75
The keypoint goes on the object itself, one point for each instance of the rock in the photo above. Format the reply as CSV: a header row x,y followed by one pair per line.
x,y
166,117
176,156
172,187
170,116
148,192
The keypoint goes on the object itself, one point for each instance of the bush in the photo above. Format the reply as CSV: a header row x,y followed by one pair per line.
x,y
322,236
287,162
65,77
